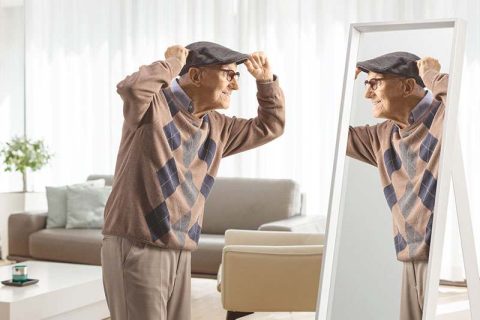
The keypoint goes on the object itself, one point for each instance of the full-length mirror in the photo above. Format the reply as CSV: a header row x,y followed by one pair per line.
x,y
383,193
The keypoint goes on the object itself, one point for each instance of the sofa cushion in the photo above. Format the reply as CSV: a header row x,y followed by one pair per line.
x,y
67,245
208,256
242,203
57,203
85,206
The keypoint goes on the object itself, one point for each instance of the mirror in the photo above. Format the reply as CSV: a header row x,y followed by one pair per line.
x,y
360,268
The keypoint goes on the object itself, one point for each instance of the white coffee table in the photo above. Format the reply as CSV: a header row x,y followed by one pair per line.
x,y
65,292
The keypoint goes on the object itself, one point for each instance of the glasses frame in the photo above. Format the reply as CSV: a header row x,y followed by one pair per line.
x,y
377,81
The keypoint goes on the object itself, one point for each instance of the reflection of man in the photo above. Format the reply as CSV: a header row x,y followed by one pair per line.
x,y
406,150
171,147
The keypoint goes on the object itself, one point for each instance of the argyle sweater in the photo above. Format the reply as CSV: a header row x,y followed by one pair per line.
x,y
168,158
408,160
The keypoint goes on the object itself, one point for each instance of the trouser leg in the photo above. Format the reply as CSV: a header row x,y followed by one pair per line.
x,y
413,290
140,280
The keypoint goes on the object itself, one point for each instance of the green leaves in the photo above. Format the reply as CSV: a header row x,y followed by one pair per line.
x,y
21,154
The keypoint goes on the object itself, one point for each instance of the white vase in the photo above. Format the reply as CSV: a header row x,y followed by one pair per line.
x,y
15,202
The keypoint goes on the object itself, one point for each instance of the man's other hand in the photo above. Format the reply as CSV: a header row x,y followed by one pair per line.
x,y
178,52
427,63
258,66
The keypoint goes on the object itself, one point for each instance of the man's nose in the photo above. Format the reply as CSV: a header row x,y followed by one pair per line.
x,y
368,92
234,84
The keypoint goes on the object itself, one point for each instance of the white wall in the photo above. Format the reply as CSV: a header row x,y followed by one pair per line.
x,y
11,83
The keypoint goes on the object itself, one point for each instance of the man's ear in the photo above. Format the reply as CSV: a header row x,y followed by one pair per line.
x,y
409,86
195,75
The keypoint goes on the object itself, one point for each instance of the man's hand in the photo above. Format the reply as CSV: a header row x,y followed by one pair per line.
x,y
178,52
426,64
258,66
357,72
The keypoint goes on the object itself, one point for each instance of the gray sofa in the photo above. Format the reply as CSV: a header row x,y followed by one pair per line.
x,y
234,203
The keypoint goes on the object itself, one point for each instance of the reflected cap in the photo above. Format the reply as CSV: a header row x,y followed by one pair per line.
x,y
398,63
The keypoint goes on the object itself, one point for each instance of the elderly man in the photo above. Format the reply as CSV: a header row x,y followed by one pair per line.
x,y
171,147
406,150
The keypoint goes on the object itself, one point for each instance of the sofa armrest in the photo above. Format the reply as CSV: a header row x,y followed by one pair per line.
x,y
267,279
20,227
309,224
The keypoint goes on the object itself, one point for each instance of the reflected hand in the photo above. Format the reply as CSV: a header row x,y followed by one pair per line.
x,y
357,72
426,64
177,51
259,67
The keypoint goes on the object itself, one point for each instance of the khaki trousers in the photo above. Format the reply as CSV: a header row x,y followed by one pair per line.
x,y
413,290
144,282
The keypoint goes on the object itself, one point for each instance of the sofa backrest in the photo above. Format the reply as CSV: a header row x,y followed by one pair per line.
x,y
245,203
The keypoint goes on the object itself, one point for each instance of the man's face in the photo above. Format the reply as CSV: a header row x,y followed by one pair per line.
x,y
387,98
217,85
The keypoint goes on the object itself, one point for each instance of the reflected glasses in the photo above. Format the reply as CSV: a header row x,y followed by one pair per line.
x,y
374,82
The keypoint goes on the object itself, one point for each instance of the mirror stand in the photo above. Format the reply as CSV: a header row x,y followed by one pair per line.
x,y
467,240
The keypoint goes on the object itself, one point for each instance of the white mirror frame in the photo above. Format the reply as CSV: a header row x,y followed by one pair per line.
x,y
336,203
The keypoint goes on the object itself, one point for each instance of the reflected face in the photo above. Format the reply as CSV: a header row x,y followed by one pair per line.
x,y
218,83
385,91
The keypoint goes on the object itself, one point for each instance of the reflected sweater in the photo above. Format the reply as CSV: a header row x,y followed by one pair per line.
x,y
168,158
408,160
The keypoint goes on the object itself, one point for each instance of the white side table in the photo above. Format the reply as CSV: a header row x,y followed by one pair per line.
x,y
12,202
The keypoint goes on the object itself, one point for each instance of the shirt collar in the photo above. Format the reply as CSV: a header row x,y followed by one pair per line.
x,y
419,110
181,96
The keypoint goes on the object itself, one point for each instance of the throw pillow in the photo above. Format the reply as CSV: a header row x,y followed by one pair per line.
x,y
85,206
57,203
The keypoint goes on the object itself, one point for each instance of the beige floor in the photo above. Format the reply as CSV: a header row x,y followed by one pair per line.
x,y
206,304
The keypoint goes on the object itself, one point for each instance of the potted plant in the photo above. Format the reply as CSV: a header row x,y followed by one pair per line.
x,y
22,154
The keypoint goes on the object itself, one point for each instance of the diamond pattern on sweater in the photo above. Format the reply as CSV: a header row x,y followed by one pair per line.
x,y
168,178
189,189
180,227
400,243
409,159
207,185
414,239
407,201
158,221
190,148
392,161
207,151
194,232
390,195
427,147
173,136
427,190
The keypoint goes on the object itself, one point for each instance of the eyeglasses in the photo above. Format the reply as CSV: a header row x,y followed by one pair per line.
x,y
374,82
230,74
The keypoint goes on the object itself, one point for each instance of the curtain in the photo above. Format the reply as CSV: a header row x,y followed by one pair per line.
x,y
77,51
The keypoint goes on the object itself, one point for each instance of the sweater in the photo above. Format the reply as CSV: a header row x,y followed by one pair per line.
x,y
408,160
168,158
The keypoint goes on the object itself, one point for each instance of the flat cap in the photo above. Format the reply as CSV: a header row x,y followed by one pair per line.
x,y
205,53
399,63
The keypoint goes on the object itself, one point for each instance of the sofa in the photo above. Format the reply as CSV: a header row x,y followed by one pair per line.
x,y
234,203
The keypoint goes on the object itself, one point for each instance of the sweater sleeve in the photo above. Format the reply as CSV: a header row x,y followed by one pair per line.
x,y
138,89
362,143
243,134
438,84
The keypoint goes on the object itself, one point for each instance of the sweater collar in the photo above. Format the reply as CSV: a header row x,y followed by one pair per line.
x,y
184,100
421,108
